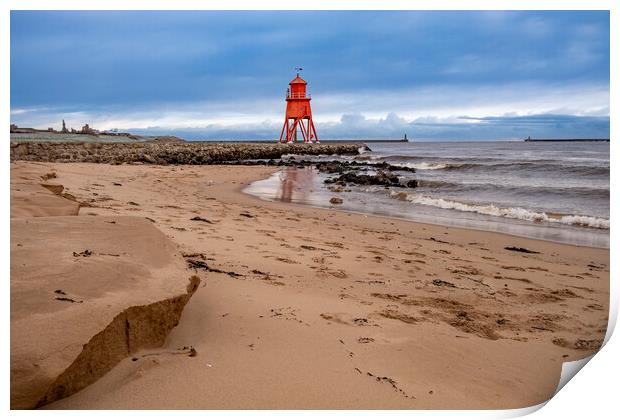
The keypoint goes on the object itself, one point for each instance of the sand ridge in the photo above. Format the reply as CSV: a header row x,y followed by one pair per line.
x,y
313,308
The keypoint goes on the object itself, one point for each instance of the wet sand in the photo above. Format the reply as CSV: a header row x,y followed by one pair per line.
x,y
314,308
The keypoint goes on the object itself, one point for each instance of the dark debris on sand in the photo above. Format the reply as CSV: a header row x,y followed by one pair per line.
x,y
201,219
201,265
85,253
519,249
443,283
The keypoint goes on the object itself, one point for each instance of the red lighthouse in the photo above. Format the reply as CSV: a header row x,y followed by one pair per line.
x,y
298,110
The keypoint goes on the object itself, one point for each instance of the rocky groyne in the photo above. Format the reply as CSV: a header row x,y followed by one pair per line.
x,y
168,153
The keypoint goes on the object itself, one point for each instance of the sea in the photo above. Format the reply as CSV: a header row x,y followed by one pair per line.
x,y
556,191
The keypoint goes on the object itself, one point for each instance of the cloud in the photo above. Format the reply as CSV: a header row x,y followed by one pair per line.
x,y
372,74
156,57
392,126
460,112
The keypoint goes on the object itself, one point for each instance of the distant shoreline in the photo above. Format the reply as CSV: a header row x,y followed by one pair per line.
x,y
358,141
41,136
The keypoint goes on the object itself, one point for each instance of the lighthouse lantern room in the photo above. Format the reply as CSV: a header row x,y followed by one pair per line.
x,y
298,118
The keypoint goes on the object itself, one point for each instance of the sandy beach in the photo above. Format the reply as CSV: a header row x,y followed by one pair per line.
x,y
312,308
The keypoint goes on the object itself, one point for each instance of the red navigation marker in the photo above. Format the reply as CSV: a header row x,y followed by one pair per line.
x,y
298,110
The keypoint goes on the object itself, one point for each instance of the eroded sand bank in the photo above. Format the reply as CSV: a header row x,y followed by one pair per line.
x,y
310,308
86,292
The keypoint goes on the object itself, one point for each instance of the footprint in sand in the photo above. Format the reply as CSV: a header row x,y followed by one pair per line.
x,y
287,313
185,351
347,319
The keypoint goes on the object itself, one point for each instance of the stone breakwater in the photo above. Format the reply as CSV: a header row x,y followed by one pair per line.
x,y
168,153
347,173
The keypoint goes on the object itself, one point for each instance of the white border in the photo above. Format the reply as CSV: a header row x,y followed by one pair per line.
x,y
312,5
592,395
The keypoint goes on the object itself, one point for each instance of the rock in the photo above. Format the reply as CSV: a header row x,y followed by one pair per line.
x,y
336,200
332,167
148,158
171,152
387,178
382,178
336,166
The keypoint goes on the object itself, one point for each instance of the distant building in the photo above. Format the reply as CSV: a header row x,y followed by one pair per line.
x,y
16,129
86,129
64,127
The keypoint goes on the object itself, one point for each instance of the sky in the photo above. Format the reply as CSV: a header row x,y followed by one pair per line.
x,y
435,75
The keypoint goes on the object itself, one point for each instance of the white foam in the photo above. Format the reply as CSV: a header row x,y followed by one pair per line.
x,y
423,166
509,212
373,158
587,221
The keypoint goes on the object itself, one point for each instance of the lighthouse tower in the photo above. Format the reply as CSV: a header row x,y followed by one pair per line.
x,y
298,110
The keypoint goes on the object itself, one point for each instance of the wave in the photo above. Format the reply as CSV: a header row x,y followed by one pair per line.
x,y
412,158
427,183
542,166
365,157
363,149
487,164
480,159
507,212
518,190
511,166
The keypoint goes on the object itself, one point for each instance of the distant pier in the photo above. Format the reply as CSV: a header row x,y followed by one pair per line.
x,y
531,139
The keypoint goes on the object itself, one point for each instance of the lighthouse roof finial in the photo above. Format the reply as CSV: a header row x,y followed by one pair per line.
x,y
298,69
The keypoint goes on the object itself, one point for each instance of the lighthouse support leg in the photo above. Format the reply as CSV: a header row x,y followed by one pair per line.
x,y
292,134
284,127
311,126
304,132
308,131
289,131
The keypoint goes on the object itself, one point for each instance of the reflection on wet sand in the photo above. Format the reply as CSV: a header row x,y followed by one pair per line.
x,y
295,184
